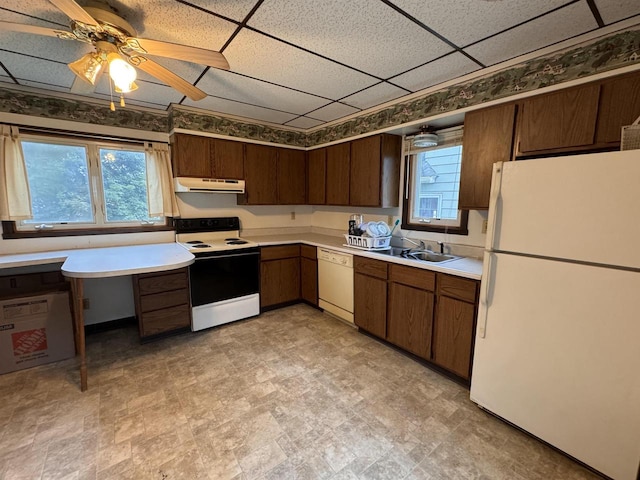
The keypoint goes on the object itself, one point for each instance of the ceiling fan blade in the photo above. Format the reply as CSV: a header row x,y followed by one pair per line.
x,y
74,11
177,51
156,70
50,32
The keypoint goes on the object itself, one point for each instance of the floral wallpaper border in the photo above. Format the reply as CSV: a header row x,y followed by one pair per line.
x,y
608,53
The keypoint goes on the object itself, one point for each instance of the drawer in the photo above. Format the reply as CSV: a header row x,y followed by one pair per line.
x,y
167,320
461,288
279,251
413,277
156,301
308,251
164,282
373,268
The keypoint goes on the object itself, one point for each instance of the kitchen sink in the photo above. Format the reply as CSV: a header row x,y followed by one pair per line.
x,y
428,256
420,255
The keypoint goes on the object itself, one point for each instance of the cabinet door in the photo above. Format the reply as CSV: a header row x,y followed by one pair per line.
x,y
279,281
291,177
453,335
191,156
488,138
260,172
410,319
338,167
560,120
619,106
228,159
309,280
316,176
370,304
364,181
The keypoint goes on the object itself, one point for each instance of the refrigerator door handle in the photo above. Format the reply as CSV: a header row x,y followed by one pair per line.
x,y
485,291
494,197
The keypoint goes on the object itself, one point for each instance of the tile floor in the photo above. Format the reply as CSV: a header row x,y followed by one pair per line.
x,y
292,394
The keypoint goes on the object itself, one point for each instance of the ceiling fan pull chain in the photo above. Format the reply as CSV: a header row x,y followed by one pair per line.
x,y
112,107
122,100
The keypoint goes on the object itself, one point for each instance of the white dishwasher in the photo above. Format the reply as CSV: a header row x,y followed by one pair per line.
x,y
335,283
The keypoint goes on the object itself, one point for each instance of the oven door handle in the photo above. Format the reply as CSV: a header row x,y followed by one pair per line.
x,y
227,256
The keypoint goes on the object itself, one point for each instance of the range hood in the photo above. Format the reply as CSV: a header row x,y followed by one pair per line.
x,y
207,185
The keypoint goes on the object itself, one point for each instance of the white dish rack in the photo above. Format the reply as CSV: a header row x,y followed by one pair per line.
x,y
368,243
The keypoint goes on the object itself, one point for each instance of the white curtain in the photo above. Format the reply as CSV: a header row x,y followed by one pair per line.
x,y
15,199
162,200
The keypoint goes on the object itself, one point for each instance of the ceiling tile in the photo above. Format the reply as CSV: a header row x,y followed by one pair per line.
x,y
383,92
467,21
560,25
42,9
367,35
614,10
175,22
333,111
49,48
235,9
304,122
237,87
258,56
441,70
34,69
230,107
159,96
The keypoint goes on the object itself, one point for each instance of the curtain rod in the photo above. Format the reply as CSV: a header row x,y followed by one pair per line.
x,y
94,136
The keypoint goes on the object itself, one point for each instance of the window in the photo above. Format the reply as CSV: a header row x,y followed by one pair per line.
x,y
85,184
433,184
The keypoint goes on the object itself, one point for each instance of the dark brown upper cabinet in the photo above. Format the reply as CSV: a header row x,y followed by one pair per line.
x,y
488,138
261,175
619,106
374,178
204,157
338,168
316,176
190,156
291,177
560,121
227,159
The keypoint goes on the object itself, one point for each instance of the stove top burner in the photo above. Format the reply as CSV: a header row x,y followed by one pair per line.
x,y
201,245
193,242
237,242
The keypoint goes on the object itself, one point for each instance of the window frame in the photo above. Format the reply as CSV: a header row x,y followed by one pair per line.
x,y
16,229
449,138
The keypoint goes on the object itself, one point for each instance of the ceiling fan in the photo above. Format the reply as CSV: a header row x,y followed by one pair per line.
x,y
119,49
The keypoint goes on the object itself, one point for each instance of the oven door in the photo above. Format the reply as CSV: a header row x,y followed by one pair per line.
x,y
221,276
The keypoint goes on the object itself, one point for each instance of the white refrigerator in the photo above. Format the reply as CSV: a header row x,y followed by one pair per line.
x,y
557,348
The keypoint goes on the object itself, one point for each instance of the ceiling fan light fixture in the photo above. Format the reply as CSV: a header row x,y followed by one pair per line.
x,y
88,67
122,74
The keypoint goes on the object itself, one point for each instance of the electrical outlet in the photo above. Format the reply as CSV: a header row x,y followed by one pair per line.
x,y
485,223
86,304
293,215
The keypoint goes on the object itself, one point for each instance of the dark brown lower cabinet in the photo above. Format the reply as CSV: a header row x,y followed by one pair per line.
x,y
162,302
279,275
431,315
410,319
370,304
309,274
453,335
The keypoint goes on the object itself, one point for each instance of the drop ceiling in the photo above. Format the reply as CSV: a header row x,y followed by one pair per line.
x,y
301,63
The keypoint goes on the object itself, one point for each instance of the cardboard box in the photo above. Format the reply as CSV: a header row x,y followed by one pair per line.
x,y
35,330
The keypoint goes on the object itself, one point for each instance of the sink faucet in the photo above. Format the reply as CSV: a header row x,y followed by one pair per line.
x,y
441,247
421,245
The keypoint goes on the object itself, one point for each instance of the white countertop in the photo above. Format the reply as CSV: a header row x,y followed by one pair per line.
x,y
129,260
464,267
107,262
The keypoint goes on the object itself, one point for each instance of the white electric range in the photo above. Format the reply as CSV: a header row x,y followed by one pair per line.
x,y
225,277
